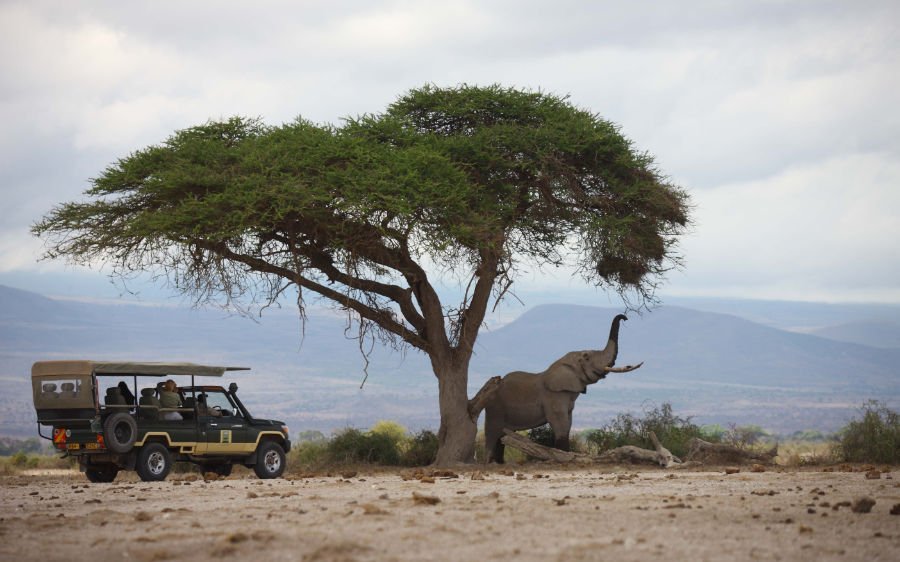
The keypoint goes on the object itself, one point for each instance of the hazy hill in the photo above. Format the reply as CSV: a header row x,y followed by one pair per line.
x,y
718,367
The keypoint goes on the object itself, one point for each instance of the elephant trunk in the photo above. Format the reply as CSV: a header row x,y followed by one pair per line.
x,y
612,345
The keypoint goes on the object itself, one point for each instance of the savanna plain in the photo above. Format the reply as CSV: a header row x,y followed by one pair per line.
x,y
516,512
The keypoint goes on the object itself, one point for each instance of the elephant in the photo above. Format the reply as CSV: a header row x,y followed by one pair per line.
x,y
528,400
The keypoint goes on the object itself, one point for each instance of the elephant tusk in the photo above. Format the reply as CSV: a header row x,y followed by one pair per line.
x,y
624,369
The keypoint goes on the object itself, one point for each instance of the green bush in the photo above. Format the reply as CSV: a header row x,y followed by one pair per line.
x,y
874,438
353,446
421,449
542,435
673,431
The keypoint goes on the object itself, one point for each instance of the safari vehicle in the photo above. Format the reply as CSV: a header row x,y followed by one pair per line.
x,y
215,430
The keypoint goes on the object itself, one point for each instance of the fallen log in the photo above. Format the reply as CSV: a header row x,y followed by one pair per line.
x,y
626,454
532,449
704,451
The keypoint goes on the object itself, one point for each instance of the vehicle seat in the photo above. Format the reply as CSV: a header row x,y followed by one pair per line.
x,y
48,390
67,390
114,397
188,403
148,407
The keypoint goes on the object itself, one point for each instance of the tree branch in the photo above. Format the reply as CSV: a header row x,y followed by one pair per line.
x,y
382,317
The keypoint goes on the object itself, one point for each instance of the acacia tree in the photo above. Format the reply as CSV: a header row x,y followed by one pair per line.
x,y
468,181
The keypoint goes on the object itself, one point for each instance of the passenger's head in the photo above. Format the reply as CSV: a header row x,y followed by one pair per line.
x,y
170,386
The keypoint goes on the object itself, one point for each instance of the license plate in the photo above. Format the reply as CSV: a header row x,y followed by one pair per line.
x,y
92,446
71,446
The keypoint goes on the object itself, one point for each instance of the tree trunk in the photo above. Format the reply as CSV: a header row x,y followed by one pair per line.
x,y
456,437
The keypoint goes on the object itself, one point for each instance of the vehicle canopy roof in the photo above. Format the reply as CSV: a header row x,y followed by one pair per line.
x,y
154,369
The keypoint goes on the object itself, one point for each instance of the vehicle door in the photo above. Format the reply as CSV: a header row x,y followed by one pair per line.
x,y
224,427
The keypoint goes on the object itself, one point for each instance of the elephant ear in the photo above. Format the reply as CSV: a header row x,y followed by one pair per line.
x,y
566,375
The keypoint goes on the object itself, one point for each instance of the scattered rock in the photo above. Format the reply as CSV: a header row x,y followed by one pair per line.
x,y
520,476
443,473
804,529
757,468
873,475
422,499
142,516
235,538
763,492
371,509
252,495
426,480
732,470
477,475
349,474
862,505
895,510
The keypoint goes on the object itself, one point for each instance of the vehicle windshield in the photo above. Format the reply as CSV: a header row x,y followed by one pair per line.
x,y
218,401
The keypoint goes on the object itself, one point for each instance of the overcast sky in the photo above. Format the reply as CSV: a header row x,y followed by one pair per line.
x,y
780,118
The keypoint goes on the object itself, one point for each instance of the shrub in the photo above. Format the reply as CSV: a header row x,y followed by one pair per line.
x,y
353,446
673,431
874,438
390,429
542,435
309,454
421,449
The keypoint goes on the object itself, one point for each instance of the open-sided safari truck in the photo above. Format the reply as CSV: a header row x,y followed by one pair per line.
x,y
130,430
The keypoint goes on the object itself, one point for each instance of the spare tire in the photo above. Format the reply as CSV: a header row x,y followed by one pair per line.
x,y
120,432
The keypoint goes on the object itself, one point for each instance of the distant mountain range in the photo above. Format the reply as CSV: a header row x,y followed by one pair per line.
x,y
715,366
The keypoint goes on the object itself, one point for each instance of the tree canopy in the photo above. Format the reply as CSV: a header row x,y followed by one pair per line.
x,y
467,180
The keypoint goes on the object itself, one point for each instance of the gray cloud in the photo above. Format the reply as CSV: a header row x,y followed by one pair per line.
x,y
779,116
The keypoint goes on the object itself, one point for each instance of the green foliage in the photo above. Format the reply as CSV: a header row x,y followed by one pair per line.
x,y
421,449
874,438
673,431
11,445
390,429
458,177
353,446
542,435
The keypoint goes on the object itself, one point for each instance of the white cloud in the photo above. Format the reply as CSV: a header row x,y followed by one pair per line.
x,y
818,230
779,117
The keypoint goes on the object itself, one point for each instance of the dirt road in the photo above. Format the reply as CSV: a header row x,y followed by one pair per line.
x,y
534,514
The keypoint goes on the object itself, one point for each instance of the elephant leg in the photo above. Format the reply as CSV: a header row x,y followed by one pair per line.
x,y
561,422
493,447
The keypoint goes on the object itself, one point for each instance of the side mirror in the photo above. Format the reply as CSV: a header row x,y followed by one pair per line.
x,y
232,388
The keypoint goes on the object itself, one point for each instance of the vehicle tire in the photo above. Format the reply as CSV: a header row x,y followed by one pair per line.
x,y
154,462
270,461
101,473
120,432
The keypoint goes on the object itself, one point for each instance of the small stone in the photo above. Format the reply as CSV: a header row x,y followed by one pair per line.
x,y
477,475
862,505
142,516
804,529
349,474
757,468
732,470
235,538
895,510
422,499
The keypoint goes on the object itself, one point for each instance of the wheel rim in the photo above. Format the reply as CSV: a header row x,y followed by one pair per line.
x,y
272,461
156,463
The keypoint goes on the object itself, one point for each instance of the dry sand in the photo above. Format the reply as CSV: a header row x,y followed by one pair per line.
x,y
537,513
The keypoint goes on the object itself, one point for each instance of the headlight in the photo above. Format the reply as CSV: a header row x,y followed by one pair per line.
x,y
284,428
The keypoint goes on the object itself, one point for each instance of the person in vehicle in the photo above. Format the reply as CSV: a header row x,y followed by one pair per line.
x,y
203,408
169,398
126,393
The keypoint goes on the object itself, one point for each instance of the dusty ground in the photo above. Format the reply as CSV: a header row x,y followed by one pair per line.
x,y
535,514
